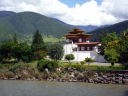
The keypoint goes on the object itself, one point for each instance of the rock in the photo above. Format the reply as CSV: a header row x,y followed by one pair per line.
x,y
90,81
125,81
47,71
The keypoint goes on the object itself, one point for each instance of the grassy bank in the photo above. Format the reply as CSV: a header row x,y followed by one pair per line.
x,y
78,66
64,72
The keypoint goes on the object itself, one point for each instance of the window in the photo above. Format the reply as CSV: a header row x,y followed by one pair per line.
x,y
80,39
88,48
82,48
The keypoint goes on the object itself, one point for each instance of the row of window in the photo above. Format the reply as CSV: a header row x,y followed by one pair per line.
x,y
84,49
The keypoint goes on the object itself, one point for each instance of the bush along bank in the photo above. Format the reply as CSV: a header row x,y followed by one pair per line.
x,y
62,73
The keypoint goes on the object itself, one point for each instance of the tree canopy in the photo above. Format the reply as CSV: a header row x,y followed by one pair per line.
x,y
56,51
38,46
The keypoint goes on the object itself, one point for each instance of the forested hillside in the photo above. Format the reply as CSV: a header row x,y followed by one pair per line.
x,y
118,28
26,23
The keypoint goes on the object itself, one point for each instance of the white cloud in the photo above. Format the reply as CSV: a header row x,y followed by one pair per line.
x,y
88,13
118,8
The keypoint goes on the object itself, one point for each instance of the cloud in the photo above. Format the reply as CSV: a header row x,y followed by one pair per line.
x,y
117,8
88,13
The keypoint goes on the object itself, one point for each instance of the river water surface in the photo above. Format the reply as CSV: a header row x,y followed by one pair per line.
x,y
43,88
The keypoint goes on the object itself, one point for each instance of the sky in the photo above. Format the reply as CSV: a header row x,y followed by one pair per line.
x,y
74,12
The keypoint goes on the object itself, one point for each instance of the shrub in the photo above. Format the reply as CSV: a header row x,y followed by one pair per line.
x,y
82,62
20,66
69,57
50,65
89,60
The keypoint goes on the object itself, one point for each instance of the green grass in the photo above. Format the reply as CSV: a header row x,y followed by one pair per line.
x,y
76,65
81,67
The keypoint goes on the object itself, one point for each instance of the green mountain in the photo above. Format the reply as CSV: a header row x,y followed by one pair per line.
x,y
26,23
118,28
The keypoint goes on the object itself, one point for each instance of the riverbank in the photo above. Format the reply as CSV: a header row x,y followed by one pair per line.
x,y
65,74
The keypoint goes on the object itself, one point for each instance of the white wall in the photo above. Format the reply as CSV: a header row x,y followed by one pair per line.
x,y
81,55
68,48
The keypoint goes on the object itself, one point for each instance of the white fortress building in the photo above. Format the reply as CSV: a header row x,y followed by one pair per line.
x,y
78,44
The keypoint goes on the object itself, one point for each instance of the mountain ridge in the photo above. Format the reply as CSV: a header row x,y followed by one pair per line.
x,y
118,28
26,23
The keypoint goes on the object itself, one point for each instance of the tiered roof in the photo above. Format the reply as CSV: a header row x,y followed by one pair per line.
x,y
77,33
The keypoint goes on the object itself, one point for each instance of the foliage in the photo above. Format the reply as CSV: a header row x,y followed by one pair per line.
x,y
15,39
115,47
111,55
69,57
19,66
75,66
6,49
25,24
89,60
39,54
80,67
38,46
82,62
123,48
56,51
15,51
50,65
102,31
37,42
110,48
107,68
111,40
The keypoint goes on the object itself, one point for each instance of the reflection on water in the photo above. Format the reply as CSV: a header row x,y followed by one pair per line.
x,y
35,88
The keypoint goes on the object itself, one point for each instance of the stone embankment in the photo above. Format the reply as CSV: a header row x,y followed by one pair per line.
x,y
104,77
70,75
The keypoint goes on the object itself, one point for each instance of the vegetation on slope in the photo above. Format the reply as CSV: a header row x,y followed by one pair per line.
x,y
101,32
26,23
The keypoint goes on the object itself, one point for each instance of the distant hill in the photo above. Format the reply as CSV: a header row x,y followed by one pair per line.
x,y
26,23
88,28
118,28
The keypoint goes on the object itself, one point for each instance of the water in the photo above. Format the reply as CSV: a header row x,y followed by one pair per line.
x,y
35,88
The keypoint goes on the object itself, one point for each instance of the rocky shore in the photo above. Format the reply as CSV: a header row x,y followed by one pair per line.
x,y
69,75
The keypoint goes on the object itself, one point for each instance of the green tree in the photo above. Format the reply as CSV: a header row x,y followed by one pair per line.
x,y
10,50
56,51
6,49
111,55
15,39
38,46
111,47
111,40
69,57
23,52
123,47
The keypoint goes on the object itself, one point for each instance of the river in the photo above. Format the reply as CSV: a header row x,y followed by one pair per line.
x,y
43,88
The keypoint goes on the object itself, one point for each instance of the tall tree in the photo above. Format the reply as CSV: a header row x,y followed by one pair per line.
x,y
123,48
37,42
15,39
38,46
110,48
